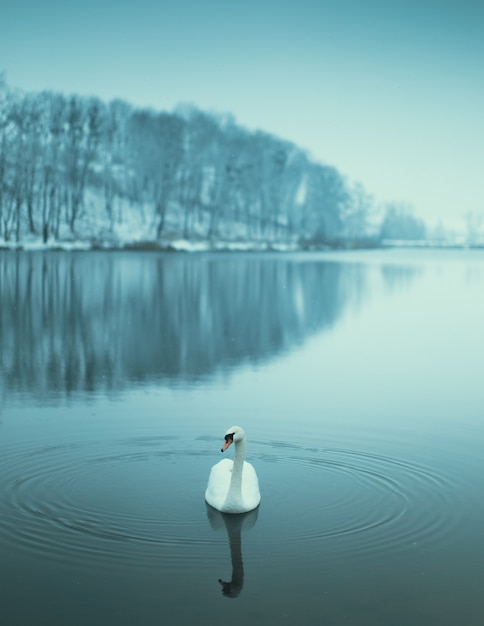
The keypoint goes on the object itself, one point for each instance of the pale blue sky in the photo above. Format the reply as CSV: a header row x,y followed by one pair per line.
x,y
391,93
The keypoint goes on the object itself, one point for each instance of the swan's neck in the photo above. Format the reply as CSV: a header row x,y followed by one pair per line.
x,y
234,494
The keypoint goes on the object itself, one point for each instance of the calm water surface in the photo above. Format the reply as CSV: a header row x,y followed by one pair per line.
x,y
358,380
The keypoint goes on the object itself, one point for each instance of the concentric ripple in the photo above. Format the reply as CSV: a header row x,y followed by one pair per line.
x,y
143,499
74,500
358,501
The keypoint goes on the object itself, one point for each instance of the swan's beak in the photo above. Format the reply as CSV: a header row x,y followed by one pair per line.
x,y
226,445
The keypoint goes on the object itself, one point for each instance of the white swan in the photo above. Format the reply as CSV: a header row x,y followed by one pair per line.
x,y
233,486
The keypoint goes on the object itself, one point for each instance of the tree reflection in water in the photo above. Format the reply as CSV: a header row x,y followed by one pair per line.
x,y
103,321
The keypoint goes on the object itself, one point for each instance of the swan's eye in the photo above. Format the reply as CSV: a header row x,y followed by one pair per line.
x,y
229,438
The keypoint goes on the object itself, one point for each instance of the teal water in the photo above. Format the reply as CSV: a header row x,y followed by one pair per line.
x,y
358,380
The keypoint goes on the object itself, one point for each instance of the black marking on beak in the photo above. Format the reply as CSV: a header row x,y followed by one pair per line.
x,y
228,440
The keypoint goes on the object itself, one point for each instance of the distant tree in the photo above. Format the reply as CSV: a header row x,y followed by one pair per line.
x,y
156,147
357,213
400,223
326,197
202,133
440,232
84,128
20,119
4,96
475,227
294,191
53,183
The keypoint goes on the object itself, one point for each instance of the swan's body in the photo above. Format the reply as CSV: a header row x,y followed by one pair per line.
x,y
233,486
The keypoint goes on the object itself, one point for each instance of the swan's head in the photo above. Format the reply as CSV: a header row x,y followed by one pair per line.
x,y
233,435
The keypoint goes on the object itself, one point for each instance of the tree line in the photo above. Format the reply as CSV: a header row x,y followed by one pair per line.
x,y
69,160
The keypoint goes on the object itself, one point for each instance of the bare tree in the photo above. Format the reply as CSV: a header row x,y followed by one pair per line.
x,y
400,223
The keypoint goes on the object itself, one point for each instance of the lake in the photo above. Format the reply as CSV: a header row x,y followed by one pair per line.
x,y
358,378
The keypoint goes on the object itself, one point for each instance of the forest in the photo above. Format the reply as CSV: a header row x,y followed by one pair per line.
x,y
77,168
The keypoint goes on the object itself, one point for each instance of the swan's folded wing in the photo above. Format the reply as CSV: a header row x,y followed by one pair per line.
x,y
219,483
250,486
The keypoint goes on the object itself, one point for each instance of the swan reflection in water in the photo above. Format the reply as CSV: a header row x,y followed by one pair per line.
x,y
233,524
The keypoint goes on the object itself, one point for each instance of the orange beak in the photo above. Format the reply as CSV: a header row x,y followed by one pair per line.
x,y
226,445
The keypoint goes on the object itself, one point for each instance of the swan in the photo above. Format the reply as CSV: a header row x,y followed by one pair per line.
x,y
233,486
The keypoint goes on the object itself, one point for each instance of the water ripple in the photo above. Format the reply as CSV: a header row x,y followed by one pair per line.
x,y
68,499
358,500
144,497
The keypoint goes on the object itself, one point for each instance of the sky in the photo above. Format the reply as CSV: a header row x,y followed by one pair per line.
x,y
390,92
